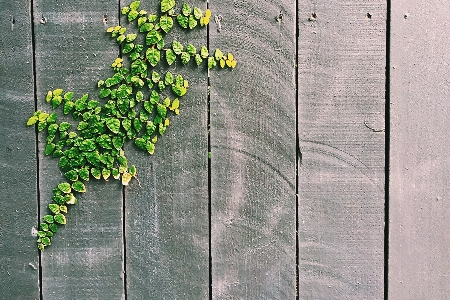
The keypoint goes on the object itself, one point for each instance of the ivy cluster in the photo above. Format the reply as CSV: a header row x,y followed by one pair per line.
x,y
136,103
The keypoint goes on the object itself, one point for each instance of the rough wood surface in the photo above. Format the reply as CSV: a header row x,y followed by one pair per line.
x,y
419,162
253,152
19,260
73,52
167,233
341,83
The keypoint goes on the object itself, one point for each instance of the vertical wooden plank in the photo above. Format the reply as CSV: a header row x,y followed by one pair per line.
x,y
341,92
253,151
419,161
167,233
73,52
19,260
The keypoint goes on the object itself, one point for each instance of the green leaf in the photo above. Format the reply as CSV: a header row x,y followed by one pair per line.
x,y
56,101
64,126
88,145
153,37
146,27
161,129
44,226
141,21
132,15
135,5
32,120
104,93
68,96
52,129
72,175
218,55
170,56
177,47
127,48
137,124
49,149
132,171
192,22
104,141
96,173
138,67
166,23
42,126
154,97
155,77
191,49
48,219
179,80
162,110
153,56
150,128
143,116
150,147
198,13
186,9
113,125
60,219
52,118
160,44
179,90
106,173
183,21
167,5
57,92
46,241
54,208
204,52
185,57
118,141
198,59
53,227
68,106
121,38
166,102
70,199
64,187
139,96
131,37
63,208
84,174
78,186
126,177
161,86
168,78
211,62
141,143
49,96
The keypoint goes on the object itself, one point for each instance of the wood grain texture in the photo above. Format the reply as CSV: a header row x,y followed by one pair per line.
x,y
419,251
19,260
341,86
167,233
253,152
73,52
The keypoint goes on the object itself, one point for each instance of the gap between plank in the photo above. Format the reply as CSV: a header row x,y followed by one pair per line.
x,y
387,143
124,242
208,128
38,191
298,158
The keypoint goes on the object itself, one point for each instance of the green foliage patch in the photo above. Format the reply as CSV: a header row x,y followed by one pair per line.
x,y
134,106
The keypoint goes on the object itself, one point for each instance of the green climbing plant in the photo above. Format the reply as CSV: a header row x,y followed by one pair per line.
x,y
136,104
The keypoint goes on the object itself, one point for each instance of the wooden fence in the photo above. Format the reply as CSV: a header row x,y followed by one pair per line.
x,y
299,199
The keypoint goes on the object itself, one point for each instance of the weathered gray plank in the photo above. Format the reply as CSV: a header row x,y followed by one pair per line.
x,y
253,152
419,163
167,234
73,52
341,86
19,260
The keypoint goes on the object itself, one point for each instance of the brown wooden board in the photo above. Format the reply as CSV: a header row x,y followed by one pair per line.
x,y
19,260
73,52
419,162
252,111
166,209
341,94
